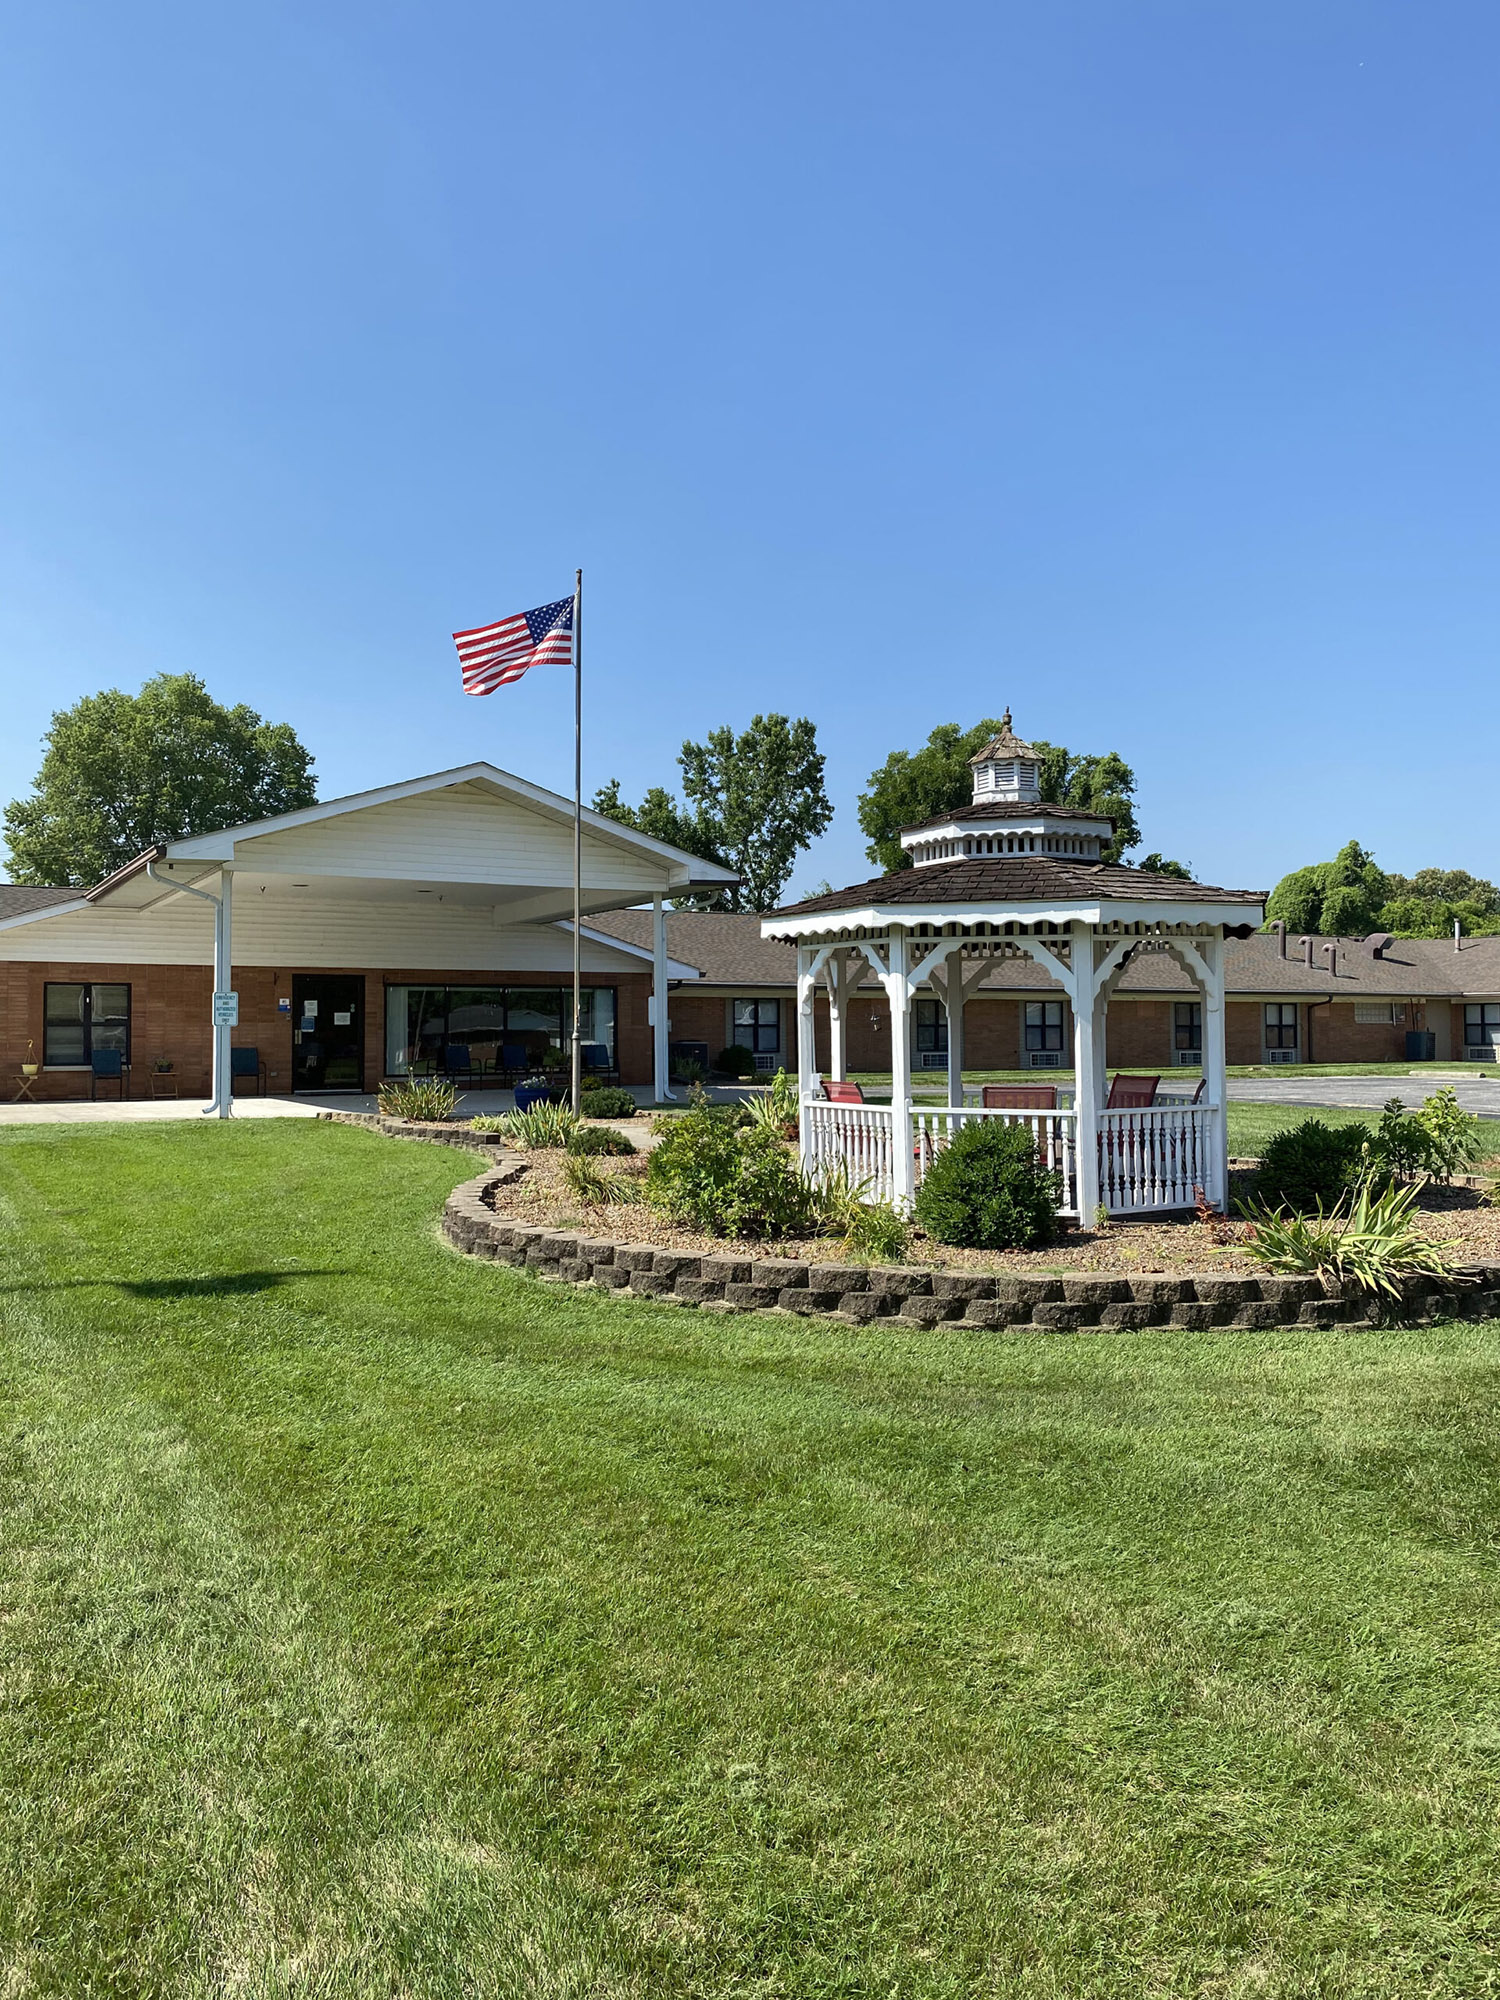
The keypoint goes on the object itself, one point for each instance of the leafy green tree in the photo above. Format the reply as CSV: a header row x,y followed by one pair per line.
x,y
752,802
916,785
1338,898
1157,864
123,772
1429,903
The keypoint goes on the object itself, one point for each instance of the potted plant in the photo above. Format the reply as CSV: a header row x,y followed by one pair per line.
x,y
538,1089
31,1066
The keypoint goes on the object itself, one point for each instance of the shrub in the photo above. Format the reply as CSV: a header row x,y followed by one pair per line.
x,y
874,1229
599,1139
1455,1140
603,1101
539,1127
727,1181
989,1189
735,1062
1310,1165
1401,1148
432,1099
1369,1239
779,1108
593,1186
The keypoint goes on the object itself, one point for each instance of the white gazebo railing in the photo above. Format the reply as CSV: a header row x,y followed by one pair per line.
x,y
1149,1160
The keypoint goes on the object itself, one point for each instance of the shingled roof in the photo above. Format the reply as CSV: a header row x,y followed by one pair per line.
x,y
1018,878
1026,809
18,899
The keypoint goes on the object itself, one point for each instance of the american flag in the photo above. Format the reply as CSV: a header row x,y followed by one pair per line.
x,y
491,655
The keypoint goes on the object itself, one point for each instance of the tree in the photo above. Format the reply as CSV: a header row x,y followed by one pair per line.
x,y
123,772
913,786
1157,864
752,802
1338,898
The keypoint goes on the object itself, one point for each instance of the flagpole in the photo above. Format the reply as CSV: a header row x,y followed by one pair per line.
x,y
577,842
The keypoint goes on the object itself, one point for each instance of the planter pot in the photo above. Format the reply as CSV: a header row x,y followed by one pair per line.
x,y
544,1093
31,1069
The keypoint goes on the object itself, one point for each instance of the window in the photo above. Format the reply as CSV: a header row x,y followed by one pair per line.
x,y
1379,1013
80,1021
1187,1024
1044,1025
423,1022
757,1026
1482,1024
931,1018
1281,1024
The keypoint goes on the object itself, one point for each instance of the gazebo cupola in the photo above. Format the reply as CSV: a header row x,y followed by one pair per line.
x,y
1007,814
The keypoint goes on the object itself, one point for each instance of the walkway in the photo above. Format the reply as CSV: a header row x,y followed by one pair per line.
x,y
1479,1094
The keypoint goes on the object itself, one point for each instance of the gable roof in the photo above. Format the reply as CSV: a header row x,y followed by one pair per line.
x,y
21,899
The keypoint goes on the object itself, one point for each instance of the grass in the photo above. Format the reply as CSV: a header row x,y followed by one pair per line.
x,y
374,1622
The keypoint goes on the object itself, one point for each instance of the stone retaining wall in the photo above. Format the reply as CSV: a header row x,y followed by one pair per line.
x,y
736,1280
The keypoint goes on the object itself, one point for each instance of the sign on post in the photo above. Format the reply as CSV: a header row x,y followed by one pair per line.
x,y
226,1010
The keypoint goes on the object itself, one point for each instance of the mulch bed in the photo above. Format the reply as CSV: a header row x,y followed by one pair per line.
x,y
1456,1215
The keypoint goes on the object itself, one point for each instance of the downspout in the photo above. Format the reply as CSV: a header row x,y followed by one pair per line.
x,y
223,1097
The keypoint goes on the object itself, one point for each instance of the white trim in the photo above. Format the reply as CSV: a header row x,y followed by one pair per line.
x,y
833,924
47,910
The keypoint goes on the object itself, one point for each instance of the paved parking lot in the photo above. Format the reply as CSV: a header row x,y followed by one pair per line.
x,y
1479,1094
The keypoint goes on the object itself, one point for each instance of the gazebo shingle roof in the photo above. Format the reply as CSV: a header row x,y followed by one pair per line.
x,y
1018,878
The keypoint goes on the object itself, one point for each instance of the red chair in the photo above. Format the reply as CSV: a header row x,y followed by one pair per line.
x,y
840,1092
1019,1096
1132,1093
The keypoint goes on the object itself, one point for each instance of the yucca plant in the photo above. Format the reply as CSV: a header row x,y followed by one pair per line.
x,y
873,1229
430,1099
778,1109
539,1128
1369,1239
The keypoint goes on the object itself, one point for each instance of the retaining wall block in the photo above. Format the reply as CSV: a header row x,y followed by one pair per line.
x,y
1162,1291
676,1264
994,1313
862,1307
558,1244
1132,1314
1258,1312
634,1256
752,1298
1028,1291
595,1250
575,1271
1288,1293
1091,1291
699,1291
922,1309
777,1273
651,1284
961,1285
1058,1316
613,1277
1227,1291
1324,1312
838,1278
1198,1318
724,1270
803,1299
896,1282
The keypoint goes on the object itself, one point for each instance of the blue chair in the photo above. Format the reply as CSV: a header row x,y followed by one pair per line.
x,y
107,1066
595,1062
247,1062
512,1060
458,1061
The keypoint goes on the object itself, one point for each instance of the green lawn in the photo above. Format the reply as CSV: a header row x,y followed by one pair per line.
x,y
376,1623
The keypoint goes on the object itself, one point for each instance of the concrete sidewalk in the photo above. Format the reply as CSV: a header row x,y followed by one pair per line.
x,y
471,1104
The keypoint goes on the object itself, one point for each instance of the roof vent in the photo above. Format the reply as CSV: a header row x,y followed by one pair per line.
x,y
1380,943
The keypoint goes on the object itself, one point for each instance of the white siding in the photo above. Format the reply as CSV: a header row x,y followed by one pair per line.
x,y
316,931
465,834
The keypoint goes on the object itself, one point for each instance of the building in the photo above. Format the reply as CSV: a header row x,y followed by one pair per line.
x,y
361,938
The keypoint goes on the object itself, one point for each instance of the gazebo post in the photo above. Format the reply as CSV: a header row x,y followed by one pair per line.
x,y
807,1046
838,1017
898,993
1211,952
1088,1053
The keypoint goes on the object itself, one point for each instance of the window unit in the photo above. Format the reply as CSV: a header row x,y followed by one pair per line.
x,y
1380,1013
1279,1034
756,1025
930,1034
81,1021
1482,1031
1187,1033
1042,1043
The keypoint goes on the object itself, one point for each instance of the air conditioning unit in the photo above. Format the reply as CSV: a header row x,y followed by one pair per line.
x,y
1044,1059
1480,1052
767,1065
1187,1058
932,1059
1281,1055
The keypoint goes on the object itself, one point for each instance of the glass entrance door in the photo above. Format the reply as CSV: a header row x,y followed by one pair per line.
x,y
328,1032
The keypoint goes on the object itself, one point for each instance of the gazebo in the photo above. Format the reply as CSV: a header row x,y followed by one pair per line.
x,y
1011,876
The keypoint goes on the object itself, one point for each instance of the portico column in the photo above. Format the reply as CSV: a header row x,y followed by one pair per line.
x,y
807,1048
660,1063
898,992
1211,951
1087,1058
223,983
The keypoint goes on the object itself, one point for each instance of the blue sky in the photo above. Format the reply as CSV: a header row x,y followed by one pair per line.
x,y
1130,362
